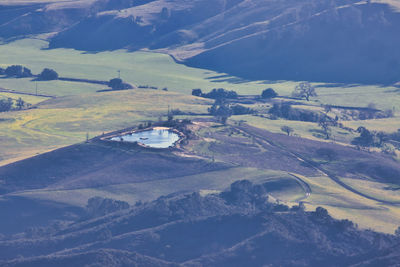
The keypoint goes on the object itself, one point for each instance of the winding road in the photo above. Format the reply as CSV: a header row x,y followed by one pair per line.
x,y
265,143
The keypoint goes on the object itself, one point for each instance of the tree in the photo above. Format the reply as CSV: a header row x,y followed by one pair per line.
x,y
221,111
2,71
304,90
20,103
115,84
324,124
382,137
397,232
288,130
18,71
197,92
48,75
321,212
365,139
268,93
327,108
118,84
6,104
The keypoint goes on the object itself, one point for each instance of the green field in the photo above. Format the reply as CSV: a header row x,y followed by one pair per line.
x,y
139,68
342,203
66,120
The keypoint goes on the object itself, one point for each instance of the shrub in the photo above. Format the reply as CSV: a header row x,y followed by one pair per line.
x,y
268,93
18,71
177,112
48,75
241,110
326,153
98,206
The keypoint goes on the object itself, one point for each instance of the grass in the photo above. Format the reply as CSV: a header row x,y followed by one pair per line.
x,y
303,129
160,70
27,98
388,125
342,203
360,96
66,120
140,68
213,181
374,189
51,88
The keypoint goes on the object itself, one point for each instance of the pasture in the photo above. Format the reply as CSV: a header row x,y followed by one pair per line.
x,y
66,120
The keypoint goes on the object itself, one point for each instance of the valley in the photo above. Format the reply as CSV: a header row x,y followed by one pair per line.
x,y
170,133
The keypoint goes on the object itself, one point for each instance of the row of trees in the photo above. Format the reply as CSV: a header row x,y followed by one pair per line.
x,y
369,138
302,90
215,93
19,71
222,93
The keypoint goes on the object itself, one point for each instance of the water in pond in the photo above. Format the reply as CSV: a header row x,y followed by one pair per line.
x,y
157,138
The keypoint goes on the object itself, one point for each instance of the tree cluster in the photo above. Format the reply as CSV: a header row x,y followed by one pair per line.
x,y
118,84
8,104
285,111
48,75
222,111
17,71
219,93
371,138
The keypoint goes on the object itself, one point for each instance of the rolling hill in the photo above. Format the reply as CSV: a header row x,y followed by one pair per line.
x,y
151,234
332,41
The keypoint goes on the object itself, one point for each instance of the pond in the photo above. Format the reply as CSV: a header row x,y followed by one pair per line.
x,y
156,138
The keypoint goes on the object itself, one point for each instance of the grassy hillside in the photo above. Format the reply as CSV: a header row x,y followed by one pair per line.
x,y
139,68
236,227
289,167
66,120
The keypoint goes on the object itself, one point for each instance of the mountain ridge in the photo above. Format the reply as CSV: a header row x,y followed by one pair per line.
x,y
328,41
